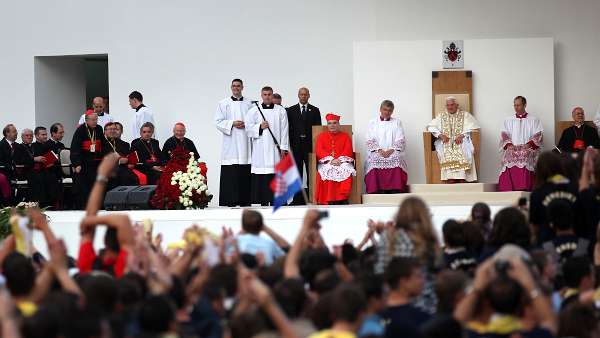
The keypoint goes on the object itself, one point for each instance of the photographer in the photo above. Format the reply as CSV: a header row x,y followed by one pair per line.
x,y
501,288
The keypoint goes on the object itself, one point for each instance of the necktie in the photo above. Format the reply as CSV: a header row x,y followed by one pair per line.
x,y
303,110
12,148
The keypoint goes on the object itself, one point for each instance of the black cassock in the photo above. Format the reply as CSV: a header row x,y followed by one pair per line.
x,y
172,142
123,175
43,182
88,155
150,155
575,139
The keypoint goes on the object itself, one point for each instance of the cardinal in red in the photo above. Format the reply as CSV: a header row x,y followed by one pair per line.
x,y
335,164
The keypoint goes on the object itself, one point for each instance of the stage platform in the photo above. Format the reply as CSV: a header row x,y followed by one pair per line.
x,y
450,194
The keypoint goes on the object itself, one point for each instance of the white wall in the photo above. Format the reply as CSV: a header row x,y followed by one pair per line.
x,y
387,70
182,54
59,93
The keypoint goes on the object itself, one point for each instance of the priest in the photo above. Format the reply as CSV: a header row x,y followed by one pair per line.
x,y
579,136
234,187
178,140
148,150
124,174
386,165
452,129
43,182
335,159
267,125
99,107
520,144
142,115
88,147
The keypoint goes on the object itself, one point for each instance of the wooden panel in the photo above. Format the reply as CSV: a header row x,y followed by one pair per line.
x,y
560,126
452,82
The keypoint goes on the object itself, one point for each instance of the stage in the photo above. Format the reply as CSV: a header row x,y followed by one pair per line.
x,y
344,222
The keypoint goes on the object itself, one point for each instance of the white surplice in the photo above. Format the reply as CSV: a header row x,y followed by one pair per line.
x,y
385,135
469,124
518,132
264,152
142,115
236,143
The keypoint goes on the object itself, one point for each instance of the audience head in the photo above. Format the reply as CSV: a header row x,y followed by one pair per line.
x,y
578,273
386,109
157,316
41,134
291,296
405,274
505,295
10,132
252,221
451,105
91,119
578,115
277,98
237,86
98,105
548,165
303,95
118,129
57,131
135,99
510,227
415,218
560,214
333,122
101,292
27,136
147,131
519,104
348,305
179,131
266,93
449,286
578,320
481,213
19,274
372,286
454,235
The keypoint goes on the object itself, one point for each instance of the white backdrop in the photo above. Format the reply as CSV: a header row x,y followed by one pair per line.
x,y
502,69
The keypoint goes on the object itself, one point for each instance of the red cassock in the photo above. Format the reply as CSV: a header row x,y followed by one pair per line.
x,y
334,183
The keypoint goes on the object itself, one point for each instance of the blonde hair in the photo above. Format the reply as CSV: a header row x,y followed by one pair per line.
x,y
413,217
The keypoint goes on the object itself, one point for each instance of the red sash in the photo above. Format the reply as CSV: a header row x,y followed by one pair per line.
x,y
141,177
579,145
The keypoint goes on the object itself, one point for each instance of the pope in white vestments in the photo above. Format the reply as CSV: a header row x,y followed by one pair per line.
x,y
264,150
235,151
454,147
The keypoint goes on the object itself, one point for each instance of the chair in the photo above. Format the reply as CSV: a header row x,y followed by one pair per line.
x,y
560,127
444,84
357,181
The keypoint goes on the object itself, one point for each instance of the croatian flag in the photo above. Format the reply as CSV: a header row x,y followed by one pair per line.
x,y
287,181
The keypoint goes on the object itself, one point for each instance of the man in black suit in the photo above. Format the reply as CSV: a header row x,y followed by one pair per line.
x,y
301,118
7,150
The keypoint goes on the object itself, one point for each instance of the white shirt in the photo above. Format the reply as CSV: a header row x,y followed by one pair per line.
x,y
142,115
385,135
264,152
236,146
253,244
102,120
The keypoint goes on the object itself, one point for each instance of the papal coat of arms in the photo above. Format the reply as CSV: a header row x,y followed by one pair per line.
x,y
453,54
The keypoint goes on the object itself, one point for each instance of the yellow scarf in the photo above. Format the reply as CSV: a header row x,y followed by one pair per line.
x,y
499,324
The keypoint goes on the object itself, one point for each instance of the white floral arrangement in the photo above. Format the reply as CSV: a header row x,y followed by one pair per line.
x,y
190,182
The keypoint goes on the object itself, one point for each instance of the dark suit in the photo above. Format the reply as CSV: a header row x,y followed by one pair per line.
x,y
6,159
300,135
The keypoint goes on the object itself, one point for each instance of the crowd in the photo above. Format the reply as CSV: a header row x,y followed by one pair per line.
x,y
530,271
